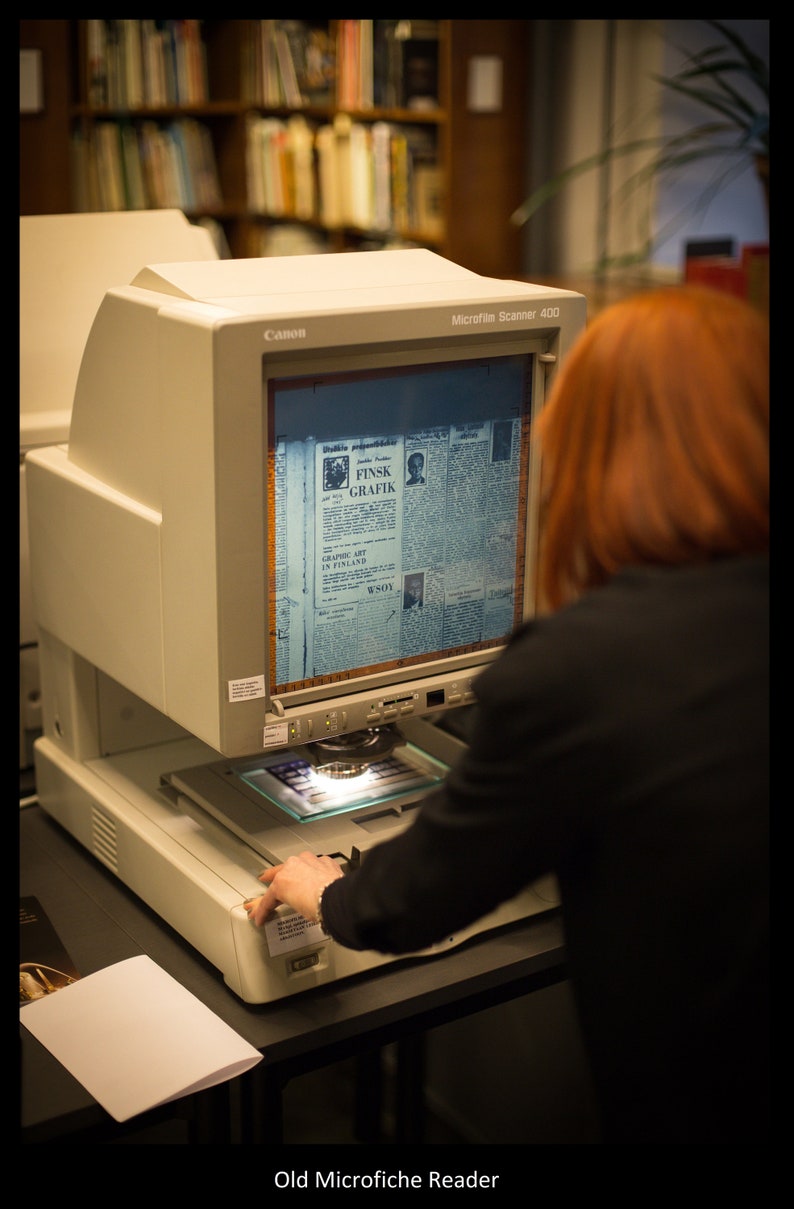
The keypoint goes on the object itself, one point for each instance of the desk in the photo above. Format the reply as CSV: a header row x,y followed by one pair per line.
x,y
100,921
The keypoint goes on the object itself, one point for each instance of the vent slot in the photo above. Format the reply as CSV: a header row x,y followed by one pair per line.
x,y
104,839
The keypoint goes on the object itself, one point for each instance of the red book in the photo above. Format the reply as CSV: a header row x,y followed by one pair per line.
x,y
717,272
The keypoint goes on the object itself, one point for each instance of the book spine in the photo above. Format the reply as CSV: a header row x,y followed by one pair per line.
x,y
97,84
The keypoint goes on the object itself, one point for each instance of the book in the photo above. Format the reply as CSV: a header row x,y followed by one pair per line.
x,y
265,168
360,192
386,64
355,58
150,162
329,196
400,204
154,82
182,165
288,76
423,182
406,64
83,187
716,263
317,73
195,55
755,262
207,179
45,965
428,199
718,273
132,62
364,66
115,96
97,89
713,263
300,144
269,79
135,190
381,176
109,166
420,69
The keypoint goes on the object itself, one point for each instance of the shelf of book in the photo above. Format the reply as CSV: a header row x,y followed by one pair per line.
x,y
307,135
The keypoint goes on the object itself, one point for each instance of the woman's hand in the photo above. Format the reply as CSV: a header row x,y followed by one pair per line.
x,y
299,882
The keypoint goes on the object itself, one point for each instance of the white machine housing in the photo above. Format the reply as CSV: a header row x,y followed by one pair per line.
x,y
147,572
67,263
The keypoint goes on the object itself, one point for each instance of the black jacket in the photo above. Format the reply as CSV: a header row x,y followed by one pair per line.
x,y
622,743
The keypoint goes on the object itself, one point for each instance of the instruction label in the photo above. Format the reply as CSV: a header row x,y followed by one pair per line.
x,y
286,933
245,690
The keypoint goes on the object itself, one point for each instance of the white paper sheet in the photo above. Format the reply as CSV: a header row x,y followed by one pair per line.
x,y
135,1037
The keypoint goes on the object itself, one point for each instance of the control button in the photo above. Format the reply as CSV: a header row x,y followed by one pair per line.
x,y
453,698
303,963
407,707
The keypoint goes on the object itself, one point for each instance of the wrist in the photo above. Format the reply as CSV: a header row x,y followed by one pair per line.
x,y
319,909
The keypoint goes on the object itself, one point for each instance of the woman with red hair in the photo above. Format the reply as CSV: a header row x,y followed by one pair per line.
x,y
622,740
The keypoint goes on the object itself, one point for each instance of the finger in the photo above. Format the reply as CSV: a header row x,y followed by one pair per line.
x,y
267,875
292,862
259,909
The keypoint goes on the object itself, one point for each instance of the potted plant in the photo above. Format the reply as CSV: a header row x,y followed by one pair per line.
x,y
730,85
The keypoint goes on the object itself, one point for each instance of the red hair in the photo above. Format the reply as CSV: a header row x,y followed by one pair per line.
x,y
655,440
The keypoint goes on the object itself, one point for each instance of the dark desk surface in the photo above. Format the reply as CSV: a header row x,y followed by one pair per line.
x,y
100,921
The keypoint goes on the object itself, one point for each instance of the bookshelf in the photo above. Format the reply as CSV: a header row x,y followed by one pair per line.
x,y
292,135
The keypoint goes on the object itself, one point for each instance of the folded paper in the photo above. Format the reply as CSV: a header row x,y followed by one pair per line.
x,y
135,1037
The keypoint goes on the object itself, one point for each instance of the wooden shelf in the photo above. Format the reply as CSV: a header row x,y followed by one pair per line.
x,y
480,155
